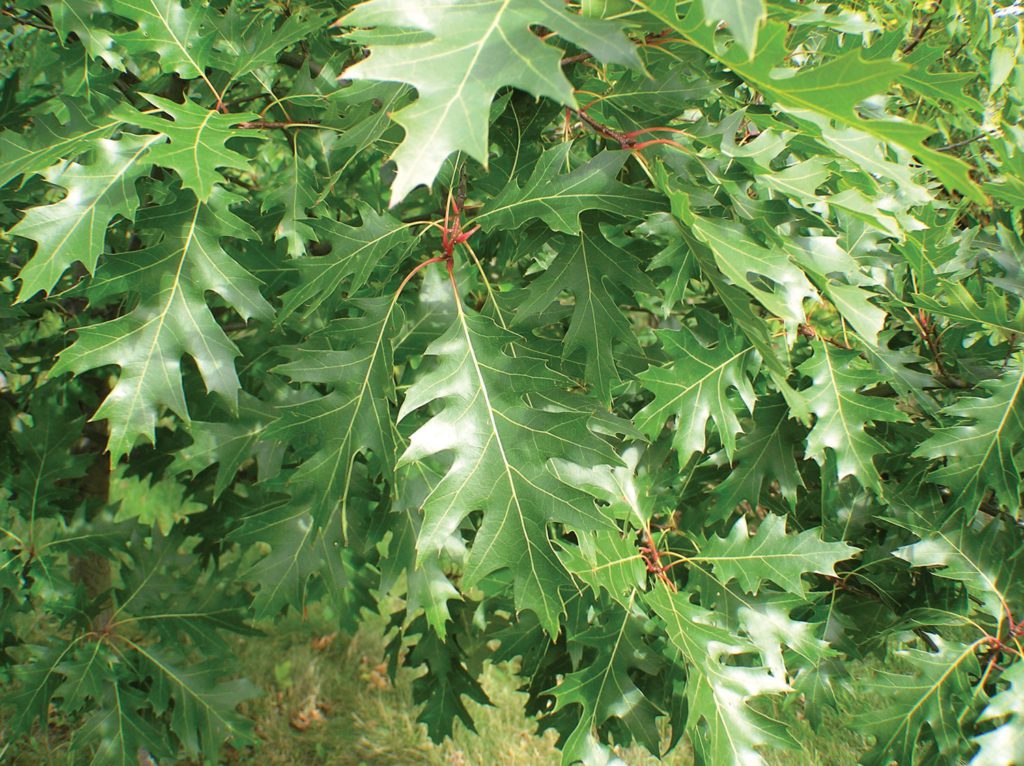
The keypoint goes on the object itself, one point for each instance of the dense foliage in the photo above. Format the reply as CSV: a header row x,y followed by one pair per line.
x,y
670,349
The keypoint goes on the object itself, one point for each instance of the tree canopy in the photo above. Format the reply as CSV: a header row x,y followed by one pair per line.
x,y
670,349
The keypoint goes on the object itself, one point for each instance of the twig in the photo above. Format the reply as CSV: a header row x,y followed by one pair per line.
x,y
629,140
27,22
295,61
926,329
269,125
623,139
962,144
918,37
652,558
577,58
247,99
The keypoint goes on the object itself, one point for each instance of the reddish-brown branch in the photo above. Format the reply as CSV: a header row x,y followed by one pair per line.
x,y
452,235
930,335
608,132
652,558
27,22
628,140
918,37
577,58
654,142
269,125
641,131
927,328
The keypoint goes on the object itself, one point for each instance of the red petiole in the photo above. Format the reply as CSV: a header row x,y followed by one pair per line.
x,y
641,131
452,235
418,267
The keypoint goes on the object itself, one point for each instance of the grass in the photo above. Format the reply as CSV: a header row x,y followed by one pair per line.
x,y
363,719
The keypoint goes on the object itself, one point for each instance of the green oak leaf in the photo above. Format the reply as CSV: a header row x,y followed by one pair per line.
x,y
298,551
427,586
170,319
740,310
1004,745
936,695
941,87
604,8
965,549
742,18
982,453
894,363
244,46
790,648
157,504
822,257
766,273
832,90
355,252
197,142
295,192
119,730
50,140
80,17
471,51
724,728
675,257
204,713
694,388
229,443
1009,190
74,229
991,309
354,356
80,673
499,449
100,684
558,199
763,455
608,560
45,458
445,683
603,687
843,413
181,37
592,271
770,554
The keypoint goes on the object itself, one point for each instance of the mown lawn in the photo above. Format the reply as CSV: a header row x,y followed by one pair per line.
x,y
327,701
